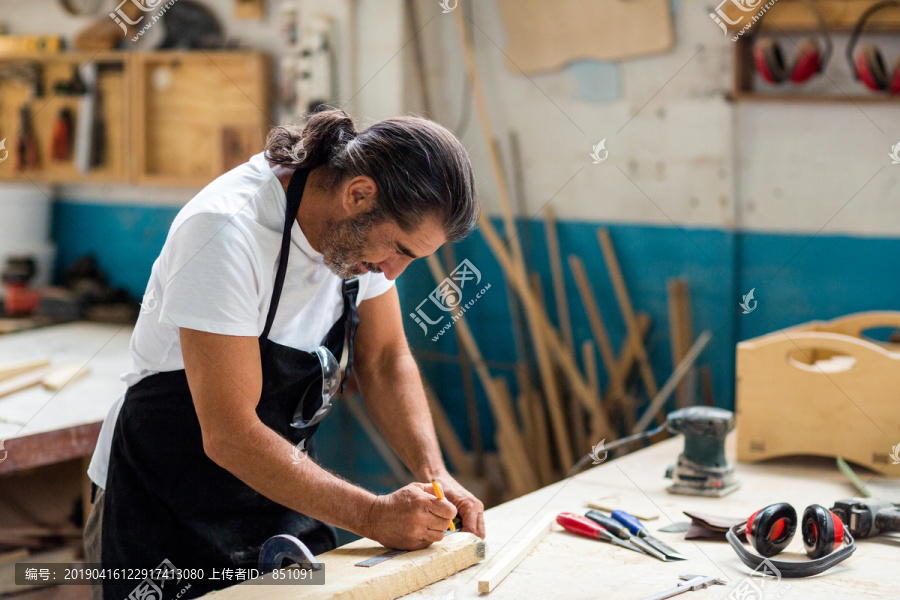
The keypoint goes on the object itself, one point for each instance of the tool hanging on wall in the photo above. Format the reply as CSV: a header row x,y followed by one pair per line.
x,y
307,70
27,157
61,143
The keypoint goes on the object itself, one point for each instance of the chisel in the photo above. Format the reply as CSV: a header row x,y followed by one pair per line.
x,y
587,528
616,528
638,529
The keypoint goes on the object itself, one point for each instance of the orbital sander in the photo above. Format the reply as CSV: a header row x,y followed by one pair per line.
x,y
702,469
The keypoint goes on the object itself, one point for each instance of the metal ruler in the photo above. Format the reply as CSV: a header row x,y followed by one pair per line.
x,y
371,562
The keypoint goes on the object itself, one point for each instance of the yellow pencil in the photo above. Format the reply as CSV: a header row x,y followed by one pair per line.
x,y
440,495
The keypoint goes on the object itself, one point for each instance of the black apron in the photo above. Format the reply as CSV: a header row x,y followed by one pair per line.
x,y
165,499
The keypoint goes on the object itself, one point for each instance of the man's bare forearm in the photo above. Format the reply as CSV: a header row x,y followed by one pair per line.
x,y
395,399
266,462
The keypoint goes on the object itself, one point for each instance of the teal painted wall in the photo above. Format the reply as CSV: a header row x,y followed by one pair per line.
x,y
796,278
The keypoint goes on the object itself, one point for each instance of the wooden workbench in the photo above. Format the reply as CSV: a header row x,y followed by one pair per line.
x,y
569,566
40,427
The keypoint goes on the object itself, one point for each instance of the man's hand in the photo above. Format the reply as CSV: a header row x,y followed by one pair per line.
x,y
411,518
470,508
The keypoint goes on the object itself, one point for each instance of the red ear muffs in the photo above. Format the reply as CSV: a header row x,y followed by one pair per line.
x,y
868,64
769,61
771,529
822,531
769,57
808,63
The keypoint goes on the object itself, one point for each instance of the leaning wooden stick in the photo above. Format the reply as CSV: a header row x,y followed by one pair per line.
x,y
618,281
683,367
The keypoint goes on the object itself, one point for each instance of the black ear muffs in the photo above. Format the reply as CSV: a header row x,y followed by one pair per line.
x,y
868,65
771,529
769,57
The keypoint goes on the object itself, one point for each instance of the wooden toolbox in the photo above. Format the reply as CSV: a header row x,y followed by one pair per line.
x,y
825,389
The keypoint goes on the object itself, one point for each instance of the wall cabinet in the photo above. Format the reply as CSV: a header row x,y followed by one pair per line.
x,y
172,118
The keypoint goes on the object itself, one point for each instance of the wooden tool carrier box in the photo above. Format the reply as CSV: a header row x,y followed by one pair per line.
x,y
825,389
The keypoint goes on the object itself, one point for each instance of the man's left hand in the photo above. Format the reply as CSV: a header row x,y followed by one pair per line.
x,y
470,508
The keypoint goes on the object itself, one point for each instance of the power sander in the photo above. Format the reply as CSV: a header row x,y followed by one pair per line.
x,y
702,469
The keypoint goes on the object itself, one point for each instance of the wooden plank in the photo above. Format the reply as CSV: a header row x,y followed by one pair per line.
x,y
795,17
523,470
386,581
63,375
23,382
15,368
618,281
546,35
681,333
501,566
50,447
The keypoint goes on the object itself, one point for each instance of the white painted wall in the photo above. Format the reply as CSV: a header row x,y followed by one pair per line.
x,y
693,158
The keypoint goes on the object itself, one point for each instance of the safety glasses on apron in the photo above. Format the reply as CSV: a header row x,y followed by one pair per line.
x,y
165,499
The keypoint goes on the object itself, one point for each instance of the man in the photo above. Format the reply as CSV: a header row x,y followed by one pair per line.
x,y
258,295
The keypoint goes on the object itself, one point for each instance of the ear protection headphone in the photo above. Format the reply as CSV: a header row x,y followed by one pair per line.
x,y
868,65
769,58
770,531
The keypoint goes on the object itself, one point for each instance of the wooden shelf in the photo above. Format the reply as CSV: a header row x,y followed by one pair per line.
x,y
173,118
794,18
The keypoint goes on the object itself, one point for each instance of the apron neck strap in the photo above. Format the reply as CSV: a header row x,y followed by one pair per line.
x,y
351,318
294,196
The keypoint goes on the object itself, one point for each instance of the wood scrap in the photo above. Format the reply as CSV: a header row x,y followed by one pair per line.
x,y
63,375
23,382
542,440
681,333
15,368
618,281
501,566
387,581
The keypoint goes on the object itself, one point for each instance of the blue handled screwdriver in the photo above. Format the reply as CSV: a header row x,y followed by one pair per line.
x,y
638,529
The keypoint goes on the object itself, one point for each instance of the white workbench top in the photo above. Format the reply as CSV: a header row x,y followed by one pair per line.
x,y
569,566
104,348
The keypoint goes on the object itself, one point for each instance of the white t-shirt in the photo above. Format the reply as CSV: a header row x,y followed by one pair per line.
x,y
216,272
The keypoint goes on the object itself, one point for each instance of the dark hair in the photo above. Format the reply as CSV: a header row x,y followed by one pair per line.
x,y
422,171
